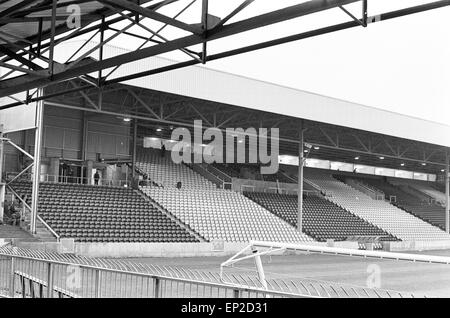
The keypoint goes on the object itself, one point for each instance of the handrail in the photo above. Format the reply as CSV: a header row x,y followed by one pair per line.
x,y
225,177
38,217
315,186
205,173
48,228
238,288
35,280
21,173
65,179
288,176
18,197
365,188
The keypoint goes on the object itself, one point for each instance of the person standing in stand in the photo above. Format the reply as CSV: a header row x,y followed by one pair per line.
x,y
96,177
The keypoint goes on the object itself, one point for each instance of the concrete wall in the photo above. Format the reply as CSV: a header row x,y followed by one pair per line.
x,y
134,250
124,250
416,246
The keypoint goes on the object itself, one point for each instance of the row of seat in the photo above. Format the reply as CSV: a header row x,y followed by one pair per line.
x,y
429,211
380,213
225,215
423,187
107,215
250,171
161,169
322,219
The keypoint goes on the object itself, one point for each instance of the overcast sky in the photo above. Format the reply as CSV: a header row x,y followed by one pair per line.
x,y
401,65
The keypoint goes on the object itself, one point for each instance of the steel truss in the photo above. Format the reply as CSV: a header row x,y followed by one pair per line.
x,y
156,109
26,51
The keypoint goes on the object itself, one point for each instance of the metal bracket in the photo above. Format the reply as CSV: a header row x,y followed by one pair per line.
x,y
352,16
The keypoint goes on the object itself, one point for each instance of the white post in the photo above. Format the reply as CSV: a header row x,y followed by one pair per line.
x,y
37,161
2,187
260,269
1,153
133,160
300,180
447,195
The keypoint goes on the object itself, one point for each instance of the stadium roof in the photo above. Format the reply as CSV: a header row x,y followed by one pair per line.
x,y
222,87
342,130
30,31
86,75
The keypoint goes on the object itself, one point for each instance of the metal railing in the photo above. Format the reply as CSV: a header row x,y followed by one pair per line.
x,y
26,211
207,173
24,276
84,180
13,176
48,227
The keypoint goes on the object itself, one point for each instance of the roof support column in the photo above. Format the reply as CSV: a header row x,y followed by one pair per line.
x,y
37,161
1,153
300,179
133,159
2,186
447,194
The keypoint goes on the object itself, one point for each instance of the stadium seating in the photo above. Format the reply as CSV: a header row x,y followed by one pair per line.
x,y
164,172
213,213
321,219
423,187
439,186
428,211
250,171
232,170
378,212
225,215
103,214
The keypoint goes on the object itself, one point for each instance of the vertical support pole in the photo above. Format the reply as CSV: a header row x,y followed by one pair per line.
x,y
2,200
133,159
364,12
12,278
300,179
100,54
2,187
37,161
98,279
84,148
100,58
447,194
205,29
52,38
260,269
157,288
89,168
1,153
50,280
100,98
39,42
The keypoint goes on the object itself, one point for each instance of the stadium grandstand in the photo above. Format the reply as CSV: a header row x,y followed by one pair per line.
x,y
88,176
